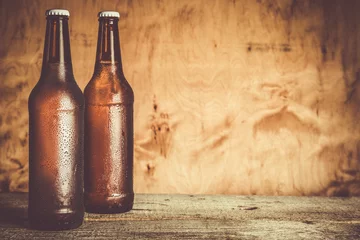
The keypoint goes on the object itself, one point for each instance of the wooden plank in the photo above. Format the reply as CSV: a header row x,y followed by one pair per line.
x,y
202,216
231,96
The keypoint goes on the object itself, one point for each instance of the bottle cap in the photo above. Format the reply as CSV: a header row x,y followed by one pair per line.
x,y
109,14
57,12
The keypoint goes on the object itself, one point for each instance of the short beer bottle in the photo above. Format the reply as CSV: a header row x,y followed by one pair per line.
x,y
56,115
108,126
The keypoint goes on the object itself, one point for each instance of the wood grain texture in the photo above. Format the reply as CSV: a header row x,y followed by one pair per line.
x,y
202,217
231,96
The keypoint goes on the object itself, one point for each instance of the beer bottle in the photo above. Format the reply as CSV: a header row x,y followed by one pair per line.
x,y
108,126
56,115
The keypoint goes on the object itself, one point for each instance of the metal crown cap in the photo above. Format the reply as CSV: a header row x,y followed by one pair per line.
x,y
57,12
109,14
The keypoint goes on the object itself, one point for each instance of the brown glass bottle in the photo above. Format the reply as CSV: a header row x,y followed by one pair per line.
x,y
56,115
108,126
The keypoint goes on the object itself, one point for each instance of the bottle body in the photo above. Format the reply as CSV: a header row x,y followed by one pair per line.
x,y
108,151
108,132
56,132
56,157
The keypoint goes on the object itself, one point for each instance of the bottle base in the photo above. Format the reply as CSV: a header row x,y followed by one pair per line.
x,y
56,221
116,203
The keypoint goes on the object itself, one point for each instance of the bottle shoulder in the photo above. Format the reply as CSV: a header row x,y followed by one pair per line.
x,y
108,91
56,95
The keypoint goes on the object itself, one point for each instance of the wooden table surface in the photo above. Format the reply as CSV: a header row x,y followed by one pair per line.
x,y
201,216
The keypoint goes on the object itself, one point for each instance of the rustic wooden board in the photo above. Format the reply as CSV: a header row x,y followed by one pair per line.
x,y
202,216
231,96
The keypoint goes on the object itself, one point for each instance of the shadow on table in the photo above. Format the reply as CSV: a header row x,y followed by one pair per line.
x,y
12,215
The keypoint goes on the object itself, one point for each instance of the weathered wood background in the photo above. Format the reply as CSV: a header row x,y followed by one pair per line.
x,y
232,96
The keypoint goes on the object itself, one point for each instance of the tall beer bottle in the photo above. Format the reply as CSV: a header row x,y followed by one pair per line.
x,y
108,126
56,115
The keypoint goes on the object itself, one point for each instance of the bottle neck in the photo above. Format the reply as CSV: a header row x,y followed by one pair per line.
x,y
57,56
108,56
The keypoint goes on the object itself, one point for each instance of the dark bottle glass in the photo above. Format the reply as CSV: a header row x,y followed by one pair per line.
x,y
56,115
108,126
